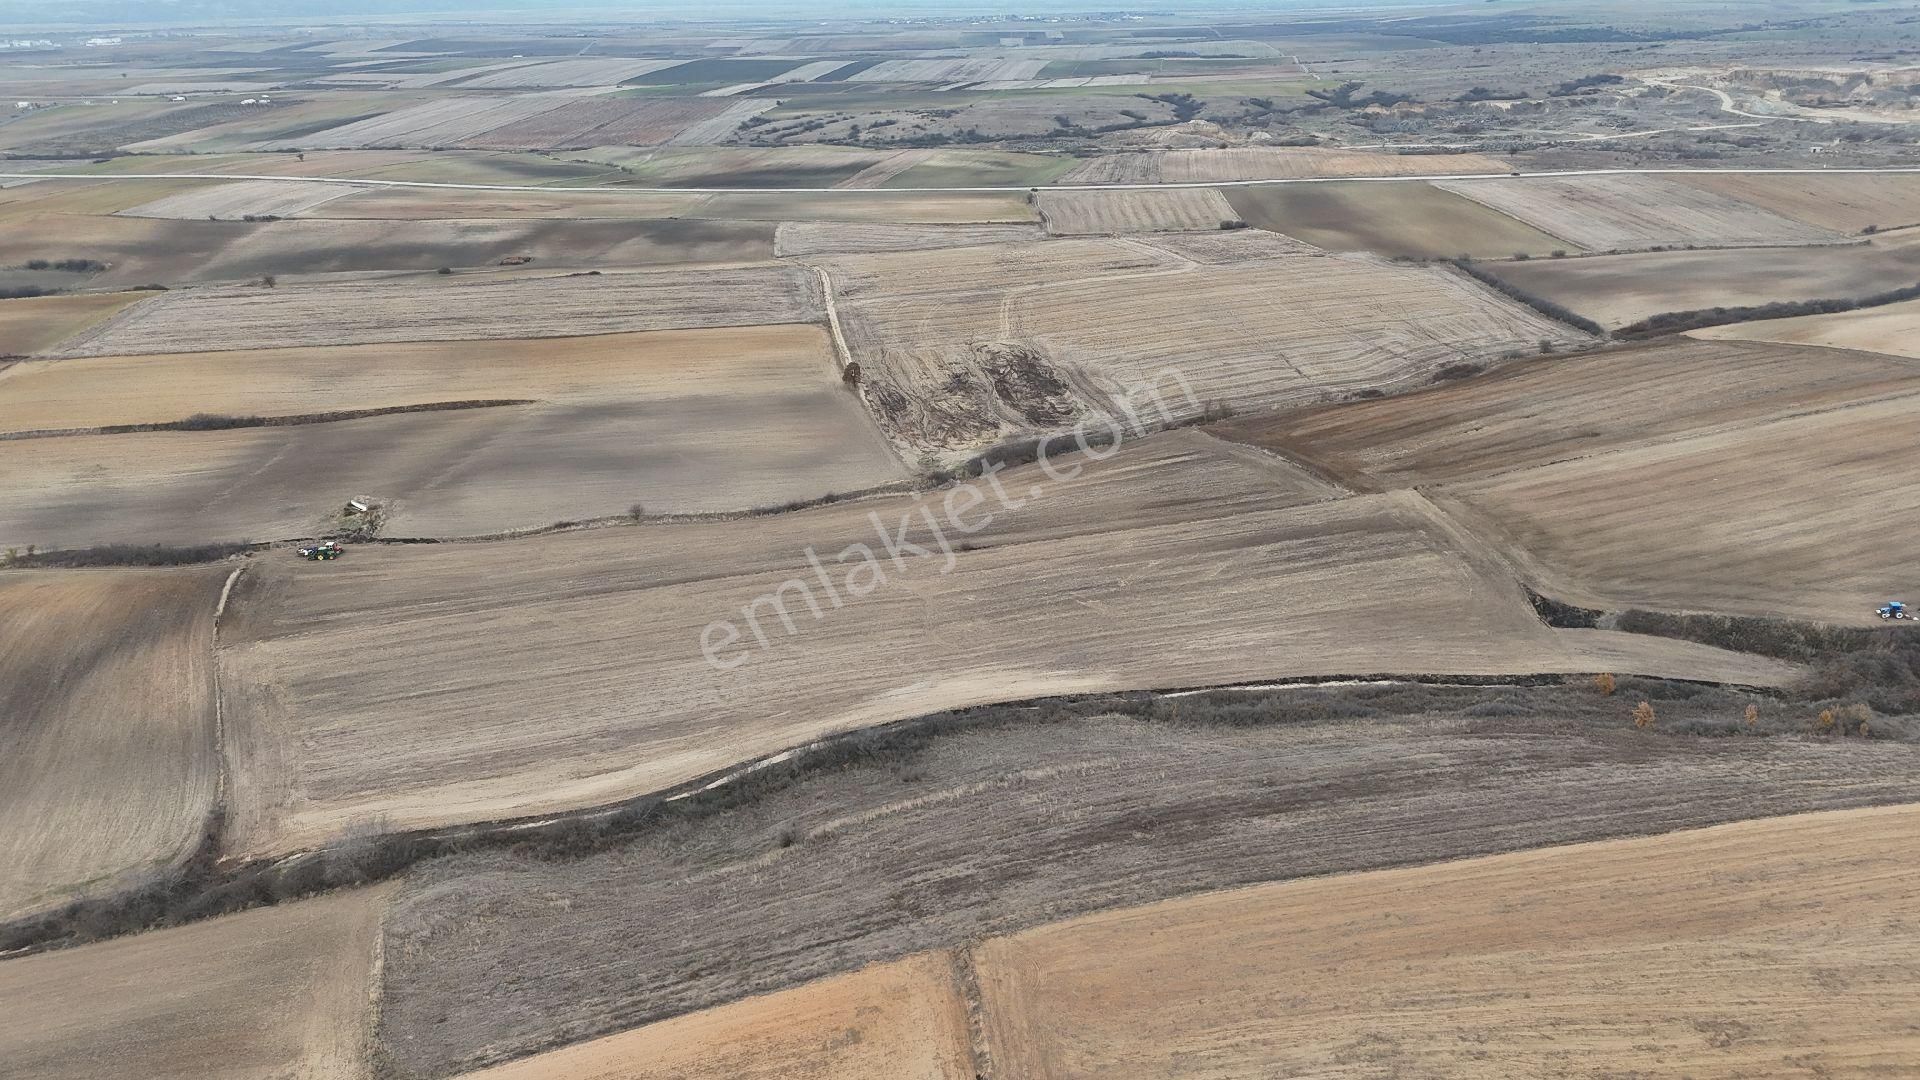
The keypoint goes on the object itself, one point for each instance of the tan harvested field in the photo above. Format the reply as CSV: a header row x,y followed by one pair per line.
x,y
1726,520
278,198
826,238
716,129
280,992
446,121
140,251
106,690
908,207
106,390
1268,163
1021,337
1893,329
996,824
1321,587
593,71
900,1021
1846,202
1549,410
677,421
41,322
1616,290
1414,219
1095,213
1765,948
403,204
602,122
1605,213
351,313
1692,476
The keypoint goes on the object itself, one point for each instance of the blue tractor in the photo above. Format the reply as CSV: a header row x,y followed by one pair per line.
x,y
1896,610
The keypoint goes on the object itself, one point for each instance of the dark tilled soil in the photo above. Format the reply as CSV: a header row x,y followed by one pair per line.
x,y
1041,815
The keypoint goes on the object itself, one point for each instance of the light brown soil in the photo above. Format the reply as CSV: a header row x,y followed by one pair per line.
x,y
1603,213
1893,329
351,313
1847,202
1108,213
1616,290
282,992
1764,948
1106,581
1412,219
107,709
898,1021
1265,163
42,322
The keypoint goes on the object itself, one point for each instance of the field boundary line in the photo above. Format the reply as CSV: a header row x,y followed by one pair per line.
x,y
1419,178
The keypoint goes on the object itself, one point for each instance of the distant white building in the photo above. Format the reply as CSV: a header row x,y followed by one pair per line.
x,y
97,41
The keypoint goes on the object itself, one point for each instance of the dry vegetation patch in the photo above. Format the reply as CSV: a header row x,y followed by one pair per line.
x,y
1759,948
1605,213
1091,213
106,690
1069,811
282,992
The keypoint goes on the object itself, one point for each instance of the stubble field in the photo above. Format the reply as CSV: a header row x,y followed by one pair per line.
x,y
1026,337
283,992
42,322
1893,329
1096,213
675,421
1413,219
1616,290
106,695
351,313
609,624
1268,163
1604,213
1772,947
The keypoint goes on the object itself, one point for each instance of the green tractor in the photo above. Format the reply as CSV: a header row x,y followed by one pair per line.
x,y
324,551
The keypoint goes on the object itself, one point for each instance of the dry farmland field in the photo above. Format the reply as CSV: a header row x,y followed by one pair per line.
x,y
106,688
1024,337
1847,203
1267,163
1607,213
901,1021
1070,811
1701,476
1093,213
598,122
277,198
801,238
42,322
351,313
675,421
1413,219
1130,544
1617,290
282,992
1893,329
1620,958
